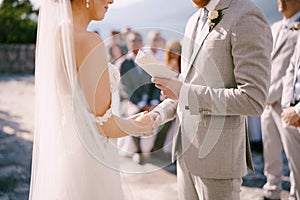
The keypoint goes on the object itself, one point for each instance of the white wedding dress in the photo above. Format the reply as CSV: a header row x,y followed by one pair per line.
x,y
71,159
81,164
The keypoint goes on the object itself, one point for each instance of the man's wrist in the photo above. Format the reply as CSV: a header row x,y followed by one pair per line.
x,y
159,112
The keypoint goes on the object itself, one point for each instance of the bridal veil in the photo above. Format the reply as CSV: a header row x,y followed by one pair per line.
x,y
71,160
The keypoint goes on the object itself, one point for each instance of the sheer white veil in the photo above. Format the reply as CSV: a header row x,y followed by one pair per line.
x,y
60,144
48,108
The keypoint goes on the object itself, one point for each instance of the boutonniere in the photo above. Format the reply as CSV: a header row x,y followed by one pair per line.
x,y
214,17
296,26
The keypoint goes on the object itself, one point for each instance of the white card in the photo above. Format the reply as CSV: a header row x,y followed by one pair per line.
x,y
153,67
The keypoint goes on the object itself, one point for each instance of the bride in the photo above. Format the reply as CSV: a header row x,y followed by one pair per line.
x,y
74,157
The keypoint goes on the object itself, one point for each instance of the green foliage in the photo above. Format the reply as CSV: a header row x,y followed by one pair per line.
x,y
17,22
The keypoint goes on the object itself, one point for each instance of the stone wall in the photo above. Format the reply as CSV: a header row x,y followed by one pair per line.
x,y
17,58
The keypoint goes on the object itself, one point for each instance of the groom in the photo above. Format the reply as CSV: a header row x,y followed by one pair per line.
x,y
225,77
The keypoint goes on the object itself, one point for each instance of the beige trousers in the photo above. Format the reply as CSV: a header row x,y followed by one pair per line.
x,y
192,187
272,130
289,136
291,145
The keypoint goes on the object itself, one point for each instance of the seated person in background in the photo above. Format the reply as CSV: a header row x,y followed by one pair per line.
x,y
137,93
172,56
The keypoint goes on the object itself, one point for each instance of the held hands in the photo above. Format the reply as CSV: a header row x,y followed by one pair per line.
x,y
170,88
143,123
148,122
290,117
155,117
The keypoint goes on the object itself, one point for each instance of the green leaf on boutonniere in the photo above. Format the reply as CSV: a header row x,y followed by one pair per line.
x,y
296,26
214,17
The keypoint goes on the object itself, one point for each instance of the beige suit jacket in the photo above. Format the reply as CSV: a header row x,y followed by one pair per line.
x,y
229,75
281,55
290,78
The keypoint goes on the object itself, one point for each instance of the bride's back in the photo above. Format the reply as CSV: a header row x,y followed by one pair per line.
x,y
85,42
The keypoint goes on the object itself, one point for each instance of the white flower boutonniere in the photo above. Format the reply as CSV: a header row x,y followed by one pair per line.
x,y
214,17
296,26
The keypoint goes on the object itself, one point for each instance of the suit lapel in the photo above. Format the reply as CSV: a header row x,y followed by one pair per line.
x,y
223,4
276,34
281,43
203,34
188,43
192,24
191,33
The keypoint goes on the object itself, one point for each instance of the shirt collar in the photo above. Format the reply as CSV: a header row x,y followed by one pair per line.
x,y
212,5
290,21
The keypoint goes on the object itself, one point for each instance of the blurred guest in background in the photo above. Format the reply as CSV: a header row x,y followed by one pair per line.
x,y
172,56
137,93
115,53
156,45
117,38
273,133
124,31
291,117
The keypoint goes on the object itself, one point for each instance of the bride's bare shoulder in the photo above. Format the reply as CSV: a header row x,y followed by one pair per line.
x,y
85,42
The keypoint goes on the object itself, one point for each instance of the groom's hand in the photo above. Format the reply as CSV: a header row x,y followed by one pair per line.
x,y
153,117
170,87
144,124
290,117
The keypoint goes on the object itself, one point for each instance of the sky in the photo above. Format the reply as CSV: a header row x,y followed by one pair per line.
x,y
170,15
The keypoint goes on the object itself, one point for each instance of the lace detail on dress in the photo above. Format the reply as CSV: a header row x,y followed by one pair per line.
x,y
102,119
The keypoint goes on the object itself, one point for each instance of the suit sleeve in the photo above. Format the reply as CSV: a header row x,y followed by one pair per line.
x,y
167,110
251,46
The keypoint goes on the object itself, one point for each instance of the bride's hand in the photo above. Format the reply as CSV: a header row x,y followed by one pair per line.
x,y
145,124
138,115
